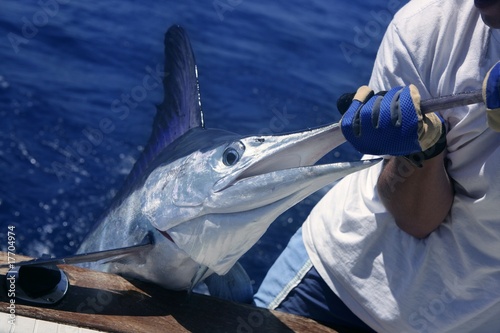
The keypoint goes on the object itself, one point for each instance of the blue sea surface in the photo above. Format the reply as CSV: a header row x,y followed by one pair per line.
x,y
78,96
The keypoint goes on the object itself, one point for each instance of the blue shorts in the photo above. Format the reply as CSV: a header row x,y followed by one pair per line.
x,y
293,285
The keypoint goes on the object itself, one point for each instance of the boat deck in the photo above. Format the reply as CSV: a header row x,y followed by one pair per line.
x,y
98,301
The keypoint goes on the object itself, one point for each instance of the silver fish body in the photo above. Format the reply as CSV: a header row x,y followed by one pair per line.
x,y
205,195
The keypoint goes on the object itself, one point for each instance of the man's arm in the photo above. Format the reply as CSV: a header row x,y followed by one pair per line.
x,y
418,198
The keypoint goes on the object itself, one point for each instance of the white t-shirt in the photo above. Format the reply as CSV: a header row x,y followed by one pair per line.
x,y
450,281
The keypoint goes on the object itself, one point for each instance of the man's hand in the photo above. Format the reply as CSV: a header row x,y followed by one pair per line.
x,y
391,124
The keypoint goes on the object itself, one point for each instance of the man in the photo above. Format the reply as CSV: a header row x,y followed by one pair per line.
x,y
413,243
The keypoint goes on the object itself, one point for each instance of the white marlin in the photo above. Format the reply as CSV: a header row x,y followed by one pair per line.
x,y
205,195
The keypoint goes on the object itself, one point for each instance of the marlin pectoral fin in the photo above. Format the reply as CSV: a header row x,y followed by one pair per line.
x,y
108,255
198,277
234,286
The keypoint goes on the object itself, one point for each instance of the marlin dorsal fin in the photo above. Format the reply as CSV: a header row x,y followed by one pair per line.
x,y
181,107
180,110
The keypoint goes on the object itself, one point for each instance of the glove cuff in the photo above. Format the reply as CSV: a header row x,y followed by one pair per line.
x,y
430,131
417,159
491,96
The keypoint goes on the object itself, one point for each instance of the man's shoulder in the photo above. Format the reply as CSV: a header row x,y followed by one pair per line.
x,y
431,14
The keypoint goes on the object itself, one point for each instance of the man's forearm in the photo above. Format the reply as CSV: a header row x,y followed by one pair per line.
x,y
418,198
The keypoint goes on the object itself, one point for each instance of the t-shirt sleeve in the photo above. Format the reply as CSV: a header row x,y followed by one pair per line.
x,y
394,65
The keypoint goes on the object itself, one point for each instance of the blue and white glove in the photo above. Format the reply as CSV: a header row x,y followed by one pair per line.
x,y
392,124
491,96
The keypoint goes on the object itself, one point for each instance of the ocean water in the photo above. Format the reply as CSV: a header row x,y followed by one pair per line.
x,y
65,66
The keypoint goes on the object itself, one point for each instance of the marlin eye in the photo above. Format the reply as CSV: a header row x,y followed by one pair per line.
x,y
230,156
233,153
